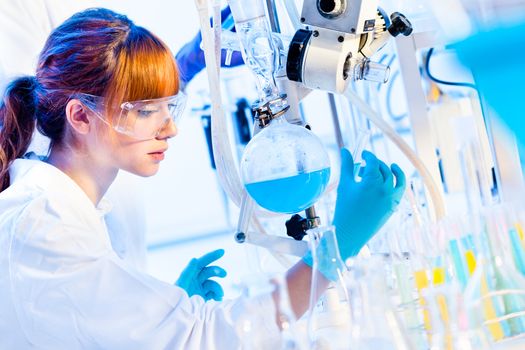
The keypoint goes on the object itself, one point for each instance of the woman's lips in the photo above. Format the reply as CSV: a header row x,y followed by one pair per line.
x,y
159,155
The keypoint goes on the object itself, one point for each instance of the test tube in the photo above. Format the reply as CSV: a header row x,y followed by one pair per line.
x,y
363,136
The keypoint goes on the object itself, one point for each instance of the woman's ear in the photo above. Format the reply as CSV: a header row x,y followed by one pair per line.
x,y
76,114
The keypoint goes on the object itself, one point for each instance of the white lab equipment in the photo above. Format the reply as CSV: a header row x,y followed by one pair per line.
x,y
338,41
426,280
265,61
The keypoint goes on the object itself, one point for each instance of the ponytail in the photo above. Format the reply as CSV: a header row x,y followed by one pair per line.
x,y
17,123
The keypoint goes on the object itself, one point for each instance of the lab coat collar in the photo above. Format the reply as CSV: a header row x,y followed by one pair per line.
x,y
52,180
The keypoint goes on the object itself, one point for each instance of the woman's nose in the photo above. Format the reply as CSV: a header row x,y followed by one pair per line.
x,y
169,130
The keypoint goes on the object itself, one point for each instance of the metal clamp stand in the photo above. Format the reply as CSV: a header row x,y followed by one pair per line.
x,y
297,226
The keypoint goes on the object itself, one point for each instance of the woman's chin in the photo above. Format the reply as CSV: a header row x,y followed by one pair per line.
x,y
145,171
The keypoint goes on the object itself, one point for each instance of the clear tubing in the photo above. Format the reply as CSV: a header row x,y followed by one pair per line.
x,y
217,29
293,13
226,170
362,139
224,159
469,182
436,196
418,220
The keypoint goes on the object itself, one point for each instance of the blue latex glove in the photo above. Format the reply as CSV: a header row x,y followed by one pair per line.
x,y
329,262
190,58
195,278
363,207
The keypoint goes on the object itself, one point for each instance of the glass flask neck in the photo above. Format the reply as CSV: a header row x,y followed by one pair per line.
x,y
266,86
271,111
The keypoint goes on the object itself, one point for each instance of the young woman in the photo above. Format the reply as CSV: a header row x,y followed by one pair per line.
x,y
106,93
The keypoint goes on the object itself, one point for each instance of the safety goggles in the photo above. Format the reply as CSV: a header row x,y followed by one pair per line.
x,y
141,120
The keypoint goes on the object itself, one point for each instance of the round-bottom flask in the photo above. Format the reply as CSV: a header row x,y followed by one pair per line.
x,y
285,167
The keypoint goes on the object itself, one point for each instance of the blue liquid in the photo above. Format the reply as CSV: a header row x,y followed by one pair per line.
x,y
290,194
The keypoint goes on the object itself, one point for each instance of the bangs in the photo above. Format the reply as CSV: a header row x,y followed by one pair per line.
x,y
145,69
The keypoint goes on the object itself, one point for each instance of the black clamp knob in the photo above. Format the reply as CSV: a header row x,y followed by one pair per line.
x,y
296,54
400,25
296,227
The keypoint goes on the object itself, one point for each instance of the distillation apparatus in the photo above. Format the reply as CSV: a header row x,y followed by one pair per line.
x,y
332,47
456,305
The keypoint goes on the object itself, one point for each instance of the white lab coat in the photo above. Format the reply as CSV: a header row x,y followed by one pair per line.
x,y
62,286
24,28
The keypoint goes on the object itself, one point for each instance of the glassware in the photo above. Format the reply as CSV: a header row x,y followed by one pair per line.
x,y
285,167
371,71
329,323
375,324
258,47
495,294
450,328
250,328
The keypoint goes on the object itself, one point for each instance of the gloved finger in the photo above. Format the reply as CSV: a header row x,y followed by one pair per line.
x,y
388,178
211,271
210,257
371,169
189,271
213,287
400,177
211,295
347,165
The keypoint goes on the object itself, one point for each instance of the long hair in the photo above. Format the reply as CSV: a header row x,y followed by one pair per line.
x,y
96,51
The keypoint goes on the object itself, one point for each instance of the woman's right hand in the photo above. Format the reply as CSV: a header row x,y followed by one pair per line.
x,y
195,278
362,208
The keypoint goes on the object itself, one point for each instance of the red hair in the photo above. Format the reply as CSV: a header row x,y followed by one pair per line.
x,y
96,51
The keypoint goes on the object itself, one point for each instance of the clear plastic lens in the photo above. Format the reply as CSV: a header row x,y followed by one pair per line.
x,y
143,119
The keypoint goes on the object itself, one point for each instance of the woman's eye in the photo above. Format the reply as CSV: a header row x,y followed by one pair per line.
x,y
145,112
